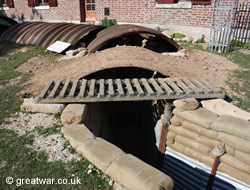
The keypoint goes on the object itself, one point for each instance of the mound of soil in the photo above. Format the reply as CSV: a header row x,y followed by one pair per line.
x,y
212,67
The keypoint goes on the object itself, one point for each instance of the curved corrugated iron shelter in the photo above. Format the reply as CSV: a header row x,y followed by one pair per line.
x,y
9,20
116,33
45,34
5,23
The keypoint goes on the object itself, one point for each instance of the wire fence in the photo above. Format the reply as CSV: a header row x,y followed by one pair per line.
x,y
222,20
241,24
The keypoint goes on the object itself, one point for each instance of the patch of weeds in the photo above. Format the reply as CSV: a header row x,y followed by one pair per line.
x,y
6,122
108,22
23,163
9,63
237,43
239,81
57,117
191,45
69,147
177,36
202,39
46,131
9,47
9,102
159,29
27,139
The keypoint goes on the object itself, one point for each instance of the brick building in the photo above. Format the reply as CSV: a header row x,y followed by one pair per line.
x,y
186,16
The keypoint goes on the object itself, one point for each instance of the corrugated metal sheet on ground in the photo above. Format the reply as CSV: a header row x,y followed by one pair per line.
x,y
187,177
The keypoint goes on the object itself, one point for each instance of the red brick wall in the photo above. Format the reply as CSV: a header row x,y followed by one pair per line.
x,y
144,11
66,10
137,11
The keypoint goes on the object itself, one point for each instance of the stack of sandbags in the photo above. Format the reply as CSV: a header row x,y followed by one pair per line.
x,y
195,131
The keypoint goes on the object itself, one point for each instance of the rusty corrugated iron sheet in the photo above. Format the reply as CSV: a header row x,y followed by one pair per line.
x,y
115,32
45,34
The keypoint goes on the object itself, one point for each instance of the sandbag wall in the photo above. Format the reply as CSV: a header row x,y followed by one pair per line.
x,y
194,131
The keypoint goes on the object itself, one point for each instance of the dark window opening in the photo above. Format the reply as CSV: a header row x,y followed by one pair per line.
x,y
106,11
43,2
167,1
3,3
201,2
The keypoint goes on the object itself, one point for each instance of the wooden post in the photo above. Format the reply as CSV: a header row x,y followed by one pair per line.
x,y
213,172
163,138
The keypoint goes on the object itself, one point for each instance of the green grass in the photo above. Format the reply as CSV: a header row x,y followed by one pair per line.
x,y
177,35
238,80
9,62
9,102
42,131
21,162
18,161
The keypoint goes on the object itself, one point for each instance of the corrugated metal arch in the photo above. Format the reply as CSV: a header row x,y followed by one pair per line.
x,y
9,20
5,23
45,34
115,32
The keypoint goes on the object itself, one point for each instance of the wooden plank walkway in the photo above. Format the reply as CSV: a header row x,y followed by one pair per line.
x,y
105,90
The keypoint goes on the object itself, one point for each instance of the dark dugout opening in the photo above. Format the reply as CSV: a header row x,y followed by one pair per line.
x,y
152,42
128,125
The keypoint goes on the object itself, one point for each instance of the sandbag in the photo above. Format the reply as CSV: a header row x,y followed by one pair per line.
x,y
200,116
175,120
205,159
183,132
191,126
190,153
194,154
171,137
232,125
186,104
242,156
238,174
177,147
207,141
236,142
209,133
193,145
234,162
200,130
230,150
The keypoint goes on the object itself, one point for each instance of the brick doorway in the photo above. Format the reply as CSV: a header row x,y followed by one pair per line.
x,y
88,10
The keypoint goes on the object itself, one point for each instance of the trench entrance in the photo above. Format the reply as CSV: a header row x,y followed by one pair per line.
x,y
130,125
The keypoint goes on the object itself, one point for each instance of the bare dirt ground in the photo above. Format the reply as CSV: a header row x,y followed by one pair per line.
x,y
212,67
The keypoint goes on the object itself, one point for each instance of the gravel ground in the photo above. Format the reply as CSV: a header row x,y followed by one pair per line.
x,y
53,144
